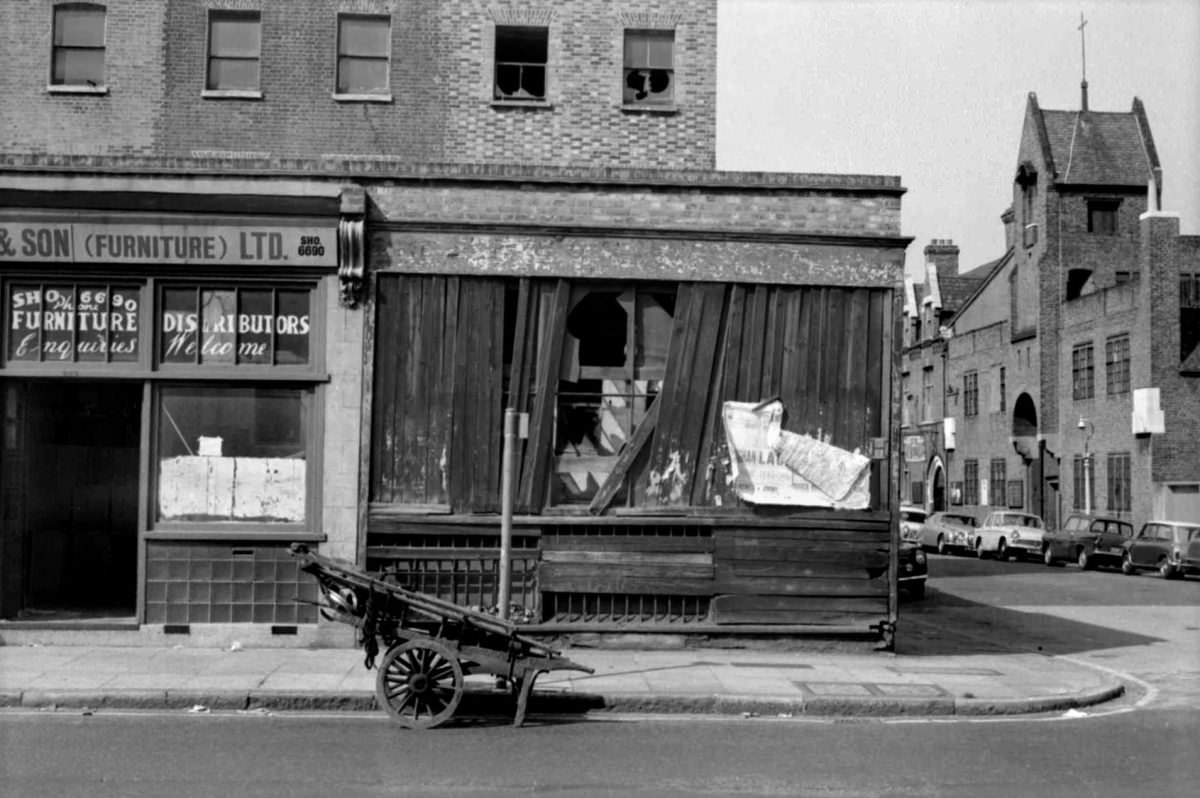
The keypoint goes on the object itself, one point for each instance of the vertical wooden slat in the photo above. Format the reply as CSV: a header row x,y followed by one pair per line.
x,y
539,450
878,394
384,405
852,411
687,384
448,365
409,428
431,393
721,386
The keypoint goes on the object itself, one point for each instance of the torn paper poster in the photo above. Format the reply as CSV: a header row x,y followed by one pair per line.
x,y
769,465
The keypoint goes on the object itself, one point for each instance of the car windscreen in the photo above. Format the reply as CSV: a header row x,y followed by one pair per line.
x,y
912,515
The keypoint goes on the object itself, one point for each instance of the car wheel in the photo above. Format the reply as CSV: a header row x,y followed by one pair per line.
x,y
1084,561
1127,566
941,547
1048,556
1165,569
979,552
1002,551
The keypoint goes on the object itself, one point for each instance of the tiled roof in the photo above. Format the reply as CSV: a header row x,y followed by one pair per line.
x,y
958,288
1097,147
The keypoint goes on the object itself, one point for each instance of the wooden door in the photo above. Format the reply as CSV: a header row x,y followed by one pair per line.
x,y
13,467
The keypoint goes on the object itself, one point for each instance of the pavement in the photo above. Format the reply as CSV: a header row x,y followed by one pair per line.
x,y
748,682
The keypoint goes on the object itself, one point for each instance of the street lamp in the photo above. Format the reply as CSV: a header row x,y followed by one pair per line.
x,y
1087,463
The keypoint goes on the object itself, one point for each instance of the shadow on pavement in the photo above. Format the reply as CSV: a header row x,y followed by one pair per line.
x,y
947,625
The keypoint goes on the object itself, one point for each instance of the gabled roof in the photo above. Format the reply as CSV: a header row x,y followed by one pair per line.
x,y
958,289
989,270
1098,147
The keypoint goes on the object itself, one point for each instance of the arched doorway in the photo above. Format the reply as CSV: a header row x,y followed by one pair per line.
x,y
1038,493
935,481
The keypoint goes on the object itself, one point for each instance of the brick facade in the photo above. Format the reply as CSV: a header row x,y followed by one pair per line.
x,y
440,106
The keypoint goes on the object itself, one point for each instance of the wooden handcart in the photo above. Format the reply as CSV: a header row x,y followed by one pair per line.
x,y
430,645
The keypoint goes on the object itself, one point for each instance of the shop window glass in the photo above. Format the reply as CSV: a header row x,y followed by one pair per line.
x,y
78,56
234,326
232,453
614,360
73,322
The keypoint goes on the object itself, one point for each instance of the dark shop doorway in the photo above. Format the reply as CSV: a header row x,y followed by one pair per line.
x,y
70,487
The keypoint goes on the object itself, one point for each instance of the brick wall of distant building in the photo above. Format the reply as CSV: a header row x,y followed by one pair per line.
x,y
1096,318
441,107
122,120
1165,256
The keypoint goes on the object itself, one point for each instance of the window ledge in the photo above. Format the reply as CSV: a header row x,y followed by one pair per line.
x,y
534,104
231,94
76,88
245,534
629,108
362,98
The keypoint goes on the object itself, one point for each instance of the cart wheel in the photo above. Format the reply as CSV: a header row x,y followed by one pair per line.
x,y
420,684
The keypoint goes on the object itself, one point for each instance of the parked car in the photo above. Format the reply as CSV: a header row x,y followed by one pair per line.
x,y
1170,547
950,531
913,568
1009,533
912,523
1088,540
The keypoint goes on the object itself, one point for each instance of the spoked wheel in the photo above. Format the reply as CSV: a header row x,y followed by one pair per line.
x,y
420,684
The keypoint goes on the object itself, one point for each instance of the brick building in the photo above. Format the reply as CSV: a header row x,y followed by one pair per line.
x,y
1073,366
323,243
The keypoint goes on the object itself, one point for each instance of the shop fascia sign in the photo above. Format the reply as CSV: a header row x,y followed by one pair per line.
x,y
100,239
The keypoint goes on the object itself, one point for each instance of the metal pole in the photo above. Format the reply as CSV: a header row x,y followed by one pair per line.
x,y
1087,481
506,509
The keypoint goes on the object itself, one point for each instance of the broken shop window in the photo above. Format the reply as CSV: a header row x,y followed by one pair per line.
x,y
521,56
649,67
606,384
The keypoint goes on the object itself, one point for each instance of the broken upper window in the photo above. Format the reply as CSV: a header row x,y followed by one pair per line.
x,y
521,56
1079,283
234,40
649,67
364,54
613,363
78,53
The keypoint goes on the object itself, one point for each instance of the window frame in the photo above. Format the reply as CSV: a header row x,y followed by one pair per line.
x,y
999,481
1083,371
86,86
970,481
534,101
312,398
971,393
1103,216
1117,364
228,15
631,64
384,96
1119,482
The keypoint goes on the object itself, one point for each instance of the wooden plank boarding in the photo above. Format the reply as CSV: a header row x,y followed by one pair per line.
x,y
540,452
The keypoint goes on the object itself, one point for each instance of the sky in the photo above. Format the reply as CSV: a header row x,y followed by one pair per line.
x,y
934,91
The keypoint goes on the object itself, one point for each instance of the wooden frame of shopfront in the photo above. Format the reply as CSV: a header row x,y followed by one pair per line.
x,y
466,319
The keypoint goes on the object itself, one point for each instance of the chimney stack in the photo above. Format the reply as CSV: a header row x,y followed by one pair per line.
x,y
943,254
1010,229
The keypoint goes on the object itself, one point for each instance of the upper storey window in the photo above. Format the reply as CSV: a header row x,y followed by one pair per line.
x,y
78,57
364,56
1102,216
649,68
521,57
234,42
1027,180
